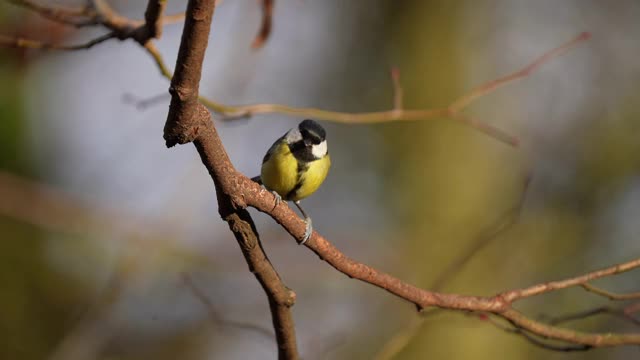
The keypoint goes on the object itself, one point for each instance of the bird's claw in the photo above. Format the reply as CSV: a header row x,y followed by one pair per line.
x,y
307,232
275,194
278,198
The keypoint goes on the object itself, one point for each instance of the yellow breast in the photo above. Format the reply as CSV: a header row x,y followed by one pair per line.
x,y
312,178
280,173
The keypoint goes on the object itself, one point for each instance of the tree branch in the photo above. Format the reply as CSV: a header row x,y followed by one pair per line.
x,y
75,16
500,304
267,23
34,44
532,338
453,111
188,121
584,314
142,32
98,12
153,18
610,295
514,295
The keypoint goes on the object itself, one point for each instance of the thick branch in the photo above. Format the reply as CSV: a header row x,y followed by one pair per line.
x,y
188,120
185,114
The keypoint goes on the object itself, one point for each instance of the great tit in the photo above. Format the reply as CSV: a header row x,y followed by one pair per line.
x,y
296,165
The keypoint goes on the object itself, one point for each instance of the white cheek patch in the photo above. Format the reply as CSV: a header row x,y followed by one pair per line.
x,y
319,150
293,136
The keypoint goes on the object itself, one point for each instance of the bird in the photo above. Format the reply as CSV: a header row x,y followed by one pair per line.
x,y
296,165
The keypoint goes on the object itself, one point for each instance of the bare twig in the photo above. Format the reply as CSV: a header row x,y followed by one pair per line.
x,y
452,111
514,295
215,315
75,16
581,315
98,12
610,295
267,23
481,90
152,50
397,89
142,104
34,44
172,19
532,338
143,32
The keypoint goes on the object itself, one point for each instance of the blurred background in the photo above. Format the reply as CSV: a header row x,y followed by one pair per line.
x,y
112,247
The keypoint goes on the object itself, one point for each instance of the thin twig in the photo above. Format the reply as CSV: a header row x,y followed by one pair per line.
x,y
486,88
514,329
610,295
452,111
267,23
34,44
517,294
75,16
172,19
584,314
215,316
397,89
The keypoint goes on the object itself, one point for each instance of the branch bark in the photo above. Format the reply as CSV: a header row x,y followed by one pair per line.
x,y
190,121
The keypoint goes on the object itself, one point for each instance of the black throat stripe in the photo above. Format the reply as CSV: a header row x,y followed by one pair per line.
x,y
301,152
302,168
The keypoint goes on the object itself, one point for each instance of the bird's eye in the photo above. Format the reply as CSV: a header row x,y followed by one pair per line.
x,y
310,138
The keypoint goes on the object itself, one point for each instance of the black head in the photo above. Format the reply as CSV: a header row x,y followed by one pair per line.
x,y
312,132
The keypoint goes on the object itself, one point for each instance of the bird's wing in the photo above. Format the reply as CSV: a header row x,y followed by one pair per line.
x,y
272,149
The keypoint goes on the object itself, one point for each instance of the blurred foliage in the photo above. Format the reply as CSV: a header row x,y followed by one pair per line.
x,y
36,301
447,184
12,128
